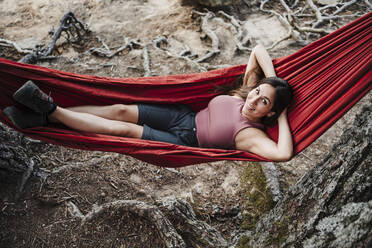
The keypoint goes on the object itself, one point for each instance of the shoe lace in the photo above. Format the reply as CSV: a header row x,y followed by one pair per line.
x,y
41,95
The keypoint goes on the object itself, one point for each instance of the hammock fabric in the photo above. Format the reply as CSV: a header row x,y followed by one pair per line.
x,y
328,76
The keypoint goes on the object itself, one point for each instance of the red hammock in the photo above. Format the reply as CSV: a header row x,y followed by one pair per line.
x,y
328,76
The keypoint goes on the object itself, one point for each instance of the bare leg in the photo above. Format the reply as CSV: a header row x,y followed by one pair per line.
x,y
88,122
119,112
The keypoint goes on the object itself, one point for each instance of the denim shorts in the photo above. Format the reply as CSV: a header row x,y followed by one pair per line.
x,y
168,123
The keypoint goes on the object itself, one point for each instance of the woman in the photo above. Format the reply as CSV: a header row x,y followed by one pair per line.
x,y
232,121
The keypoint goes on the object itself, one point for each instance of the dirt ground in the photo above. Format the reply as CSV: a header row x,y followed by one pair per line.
x,y
40,218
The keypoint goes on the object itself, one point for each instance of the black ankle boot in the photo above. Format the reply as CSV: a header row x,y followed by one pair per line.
x,y
32,97
25,118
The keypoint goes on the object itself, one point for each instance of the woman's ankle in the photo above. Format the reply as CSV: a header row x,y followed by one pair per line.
x,y
52,116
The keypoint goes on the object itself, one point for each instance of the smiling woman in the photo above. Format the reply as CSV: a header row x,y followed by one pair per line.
x,y
234,121
259,103
267,103
262,100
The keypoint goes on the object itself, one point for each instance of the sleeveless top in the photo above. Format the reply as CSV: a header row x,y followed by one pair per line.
x,y
219,123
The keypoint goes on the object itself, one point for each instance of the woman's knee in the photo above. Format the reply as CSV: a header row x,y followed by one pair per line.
x,y
125,112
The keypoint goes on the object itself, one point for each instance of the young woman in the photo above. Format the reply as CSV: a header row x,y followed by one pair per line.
x,y
234,121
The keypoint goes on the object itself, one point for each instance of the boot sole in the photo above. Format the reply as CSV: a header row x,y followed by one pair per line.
x,y
24,119
8,112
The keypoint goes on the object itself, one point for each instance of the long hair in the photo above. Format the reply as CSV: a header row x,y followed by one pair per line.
x,y
283,95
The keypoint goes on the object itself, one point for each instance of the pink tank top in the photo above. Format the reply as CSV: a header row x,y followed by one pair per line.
x,y
219,123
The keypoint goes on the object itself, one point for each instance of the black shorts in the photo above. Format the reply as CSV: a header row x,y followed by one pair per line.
x,y
168,123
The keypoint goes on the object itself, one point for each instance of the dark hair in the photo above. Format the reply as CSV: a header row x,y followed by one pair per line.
x,y
283,96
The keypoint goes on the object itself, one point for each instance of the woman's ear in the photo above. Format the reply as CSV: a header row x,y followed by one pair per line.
x,y
272,113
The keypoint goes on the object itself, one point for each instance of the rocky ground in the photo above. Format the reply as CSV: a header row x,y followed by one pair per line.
x,y
41,217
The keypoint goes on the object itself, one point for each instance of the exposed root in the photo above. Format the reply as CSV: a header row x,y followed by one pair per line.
x,y
215,67
130,44
198,233
165,228
8,43
74,30
240,40
209,32
146,62
291,18
26,175
175,221
161,42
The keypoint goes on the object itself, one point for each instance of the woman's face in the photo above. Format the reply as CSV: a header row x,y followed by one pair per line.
x,y
259,102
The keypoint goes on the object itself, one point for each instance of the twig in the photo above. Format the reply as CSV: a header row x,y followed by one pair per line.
x,y
146,62
74,210
68,166
214,67
15,45
312,30
347,4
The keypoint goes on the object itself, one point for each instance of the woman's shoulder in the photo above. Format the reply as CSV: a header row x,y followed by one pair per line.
x,y
237,96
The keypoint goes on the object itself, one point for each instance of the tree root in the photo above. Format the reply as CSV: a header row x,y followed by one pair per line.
x,y
8,43
107,52
198,233
146,62
185,54
175,221
212,36
167,232
25,176
291,18
240,40
15,163
74,31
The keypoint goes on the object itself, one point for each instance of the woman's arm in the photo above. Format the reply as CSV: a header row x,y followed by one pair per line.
x,y
259,60
256,141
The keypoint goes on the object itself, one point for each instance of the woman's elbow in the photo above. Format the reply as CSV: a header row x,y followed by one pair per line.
x,y
259,47
284,157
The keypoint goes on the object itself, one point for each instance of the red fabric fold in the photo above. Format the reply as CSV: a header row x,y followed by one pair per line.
x,y
328,76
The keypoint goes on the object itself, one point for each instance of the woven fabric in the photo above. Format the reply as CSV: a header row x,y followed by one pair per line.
x,y
328,76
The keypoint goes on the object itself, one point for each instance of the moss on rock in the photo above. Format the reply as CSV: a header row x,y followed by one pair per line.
x,y
243,242
258,198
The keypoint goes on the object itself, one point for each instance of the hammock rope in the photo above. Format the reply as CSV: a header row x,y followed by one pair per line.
x,y
328,77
